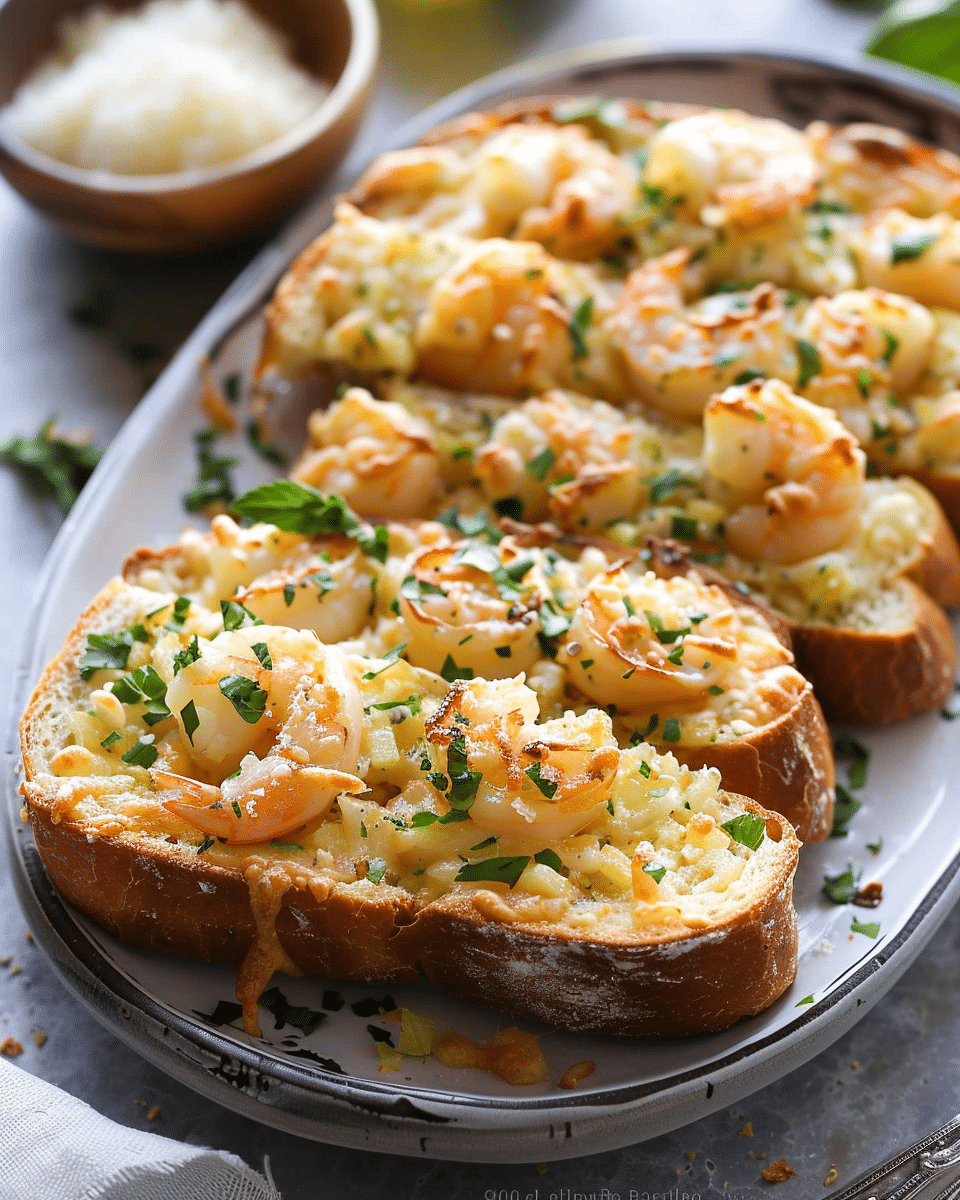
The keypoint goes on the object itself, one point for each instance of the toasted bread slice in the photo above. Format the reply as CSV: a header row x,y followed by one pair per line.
x,y
598,847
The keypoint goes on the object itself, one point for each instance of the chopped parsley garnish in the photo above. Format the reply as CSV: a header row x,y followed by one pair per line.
x,y
471,526
651,726
105,652
808,362
297,508
805,1000
143,686
501,870
841,889
892,346
190,719
262,651
578,326
848,748
143,753
715,689
869,929
748,829
414,703
644,765
864,380
546,786
502,651
376,869
909,247
551,859
654,870
388,660
55,464
181,606
415,589
539,467
451,672
553,622
183,658
237,811
662,485
844,810
289,594
748,376
683,528
666,637
671,730
237,615
269,451
246,695
509,506
213,484
676,655
110,740
205,845
828,206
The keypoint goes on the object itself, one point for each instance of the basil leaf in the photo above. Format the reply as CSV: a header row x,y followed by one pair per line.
x,y
550,858
191,721
748,829
546,786
451,672
213,484
297,508
236,615
143,753
269,451
388,660
183,658
55,464
654,870
500,870
246,695
869,928
841,889
262,651
844,809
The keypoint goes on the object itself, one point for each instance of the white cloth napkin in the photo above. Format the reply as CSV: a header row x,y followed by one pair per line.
x,y
55,1147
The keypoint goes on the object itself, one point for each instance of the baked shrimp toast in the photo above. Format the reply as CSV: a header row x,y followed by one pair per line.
x,y
290,862
672,651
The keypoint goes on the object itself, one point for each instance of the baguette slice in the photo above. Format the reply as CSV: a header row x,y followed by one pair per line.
x,y
689,918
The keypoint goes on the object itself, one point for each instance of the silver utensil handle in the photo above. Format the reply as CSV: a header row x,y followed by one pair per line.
x,y
927,1170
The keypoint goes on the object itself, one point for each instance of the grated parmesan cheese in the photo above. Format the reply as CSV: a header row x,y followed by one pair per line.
x,y
177,85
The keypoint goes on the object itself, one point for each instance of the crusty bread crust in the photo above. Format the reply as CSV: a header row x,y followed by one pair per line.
x,y
944,485
663,985
875,677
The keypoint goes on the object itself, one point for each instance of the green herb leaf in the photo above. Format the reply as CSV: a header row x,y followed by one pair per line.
x,y
662,485
870,929
388,660
893,345
143,686
451,672
54,464
671,732
376,869
183,658
805,1000
748,829
237,616
296,508
262,651
848,748
213,485
269,451
546,786
539,467
414,703
306,1020
143,753
246,696
105,652
110,740
683,528
905,249
191,721
551,859
844,810
748,376
578,327
808,362
841,889
500,870
654,870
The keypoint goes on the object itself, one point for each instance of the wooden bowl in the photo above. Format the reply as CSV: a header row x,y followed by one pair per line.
x,y
336,40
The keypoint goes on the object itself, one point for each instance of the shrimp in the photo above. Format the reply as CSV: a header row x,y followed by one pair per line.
x,y
865,340
873,167
470,606
375,454
555,438
534,783
730,169
283,708
641,642
791,474
494,323
328,593
676,356
533,182
912,256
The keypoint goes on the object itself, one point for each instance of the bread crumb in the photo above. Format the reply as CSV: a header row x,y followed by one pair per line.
x,y
10,1048
831,1176
39,1037
778,1172
153,1113
747,1130
824,946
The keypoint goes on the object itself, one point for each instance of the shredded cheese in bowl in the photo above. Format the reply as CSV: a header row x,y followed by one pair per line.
x,y
174,86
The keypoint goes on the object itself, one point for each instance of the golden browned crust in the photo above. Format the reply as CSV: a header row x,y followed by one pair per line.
x,y
158,898
873,677
939,573
786,766
663,985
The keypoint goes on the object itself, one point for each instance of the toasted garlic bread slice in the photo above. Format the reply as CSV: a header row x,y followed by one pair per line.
x,y
470,806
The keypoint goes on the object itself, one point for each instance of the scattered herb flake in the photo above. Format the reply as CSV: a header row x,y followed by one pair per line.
x,y
748,829
246,695
55,464
869,929
808,362
578,327
910,246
